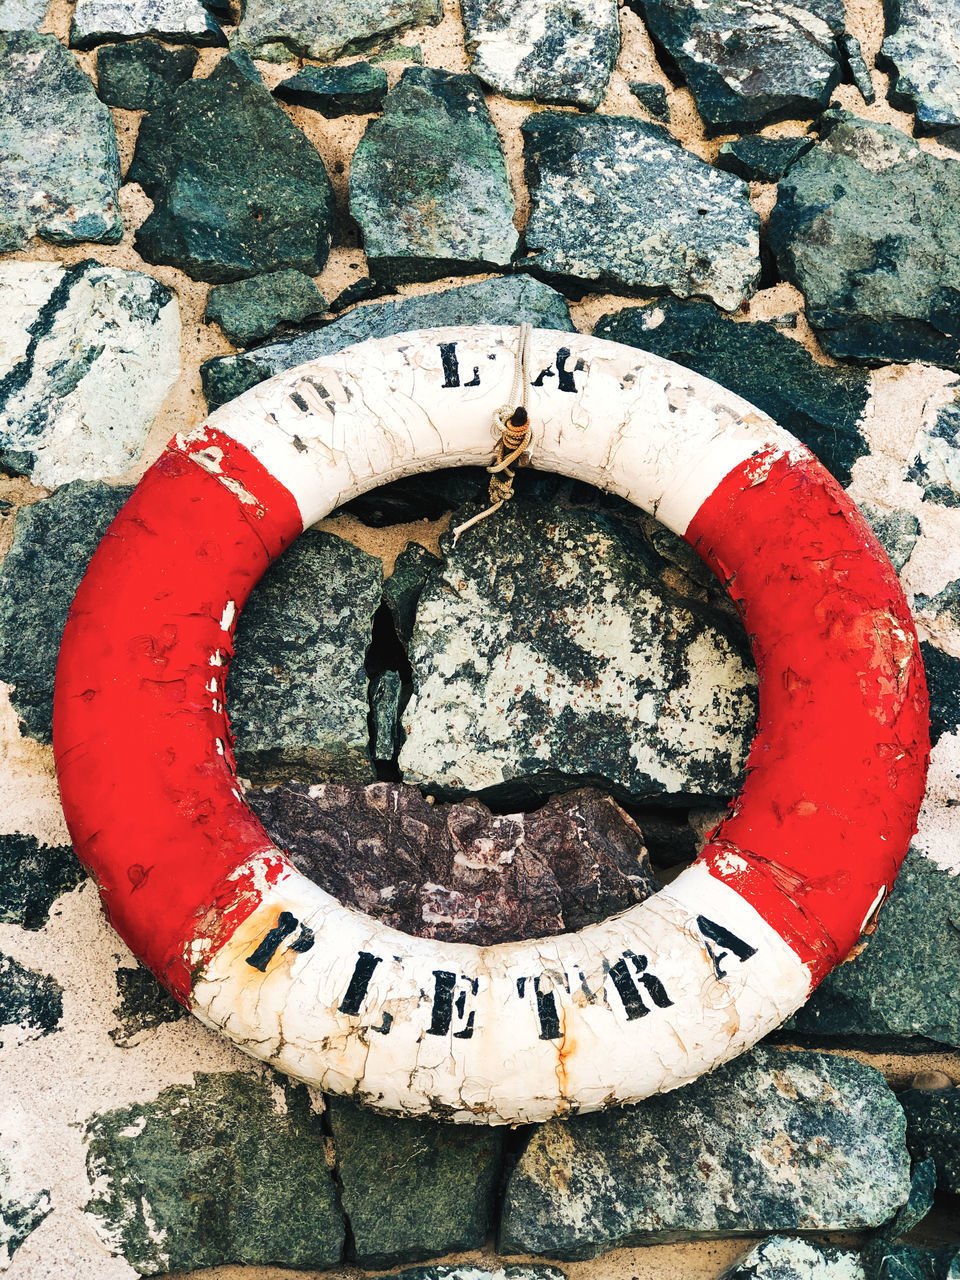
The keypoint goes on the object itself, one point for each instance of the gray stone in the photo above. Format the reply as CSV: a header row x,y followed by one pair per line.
x,y
297,688
865,225
856,64
906,980
762,159
176,21
385,698
59,168
659,217
31,1004
428,182
354,89
652,97
141,74
507,300
437,871
560,51
237,188
790,1258
943,686
278,30
231,1169
249,310
771,1142
933,1131
87,356
400,53
32,877
401,590
935,462
21,1211
22,15
822,406
897,532
538,656
748,63
922,53
363,290
142,1006
470,1271
413,1189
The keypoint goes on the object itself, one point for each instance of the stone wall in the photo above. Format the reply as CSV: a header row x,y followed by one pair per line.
x,y
767,194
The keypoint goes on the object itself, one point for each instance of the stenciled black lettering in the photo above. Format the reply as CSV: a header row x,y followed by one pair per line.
x,y
544,373
723,938
631,978
286,924
304,942
359,983
451,368
299,401
475,380
565,380
545,1002
447,1002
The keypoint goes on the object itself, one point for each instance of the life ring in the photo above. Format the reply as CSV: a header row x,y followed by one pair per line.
x,y
640,1003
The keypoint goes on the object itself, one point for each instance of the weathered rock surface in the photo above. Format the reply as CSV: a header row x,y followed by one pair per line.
x,y
935,463
762,159
459,872
507,300
857,66
652,97
386,694
21,1211
31,1004
823,406
230,1169
790,1258
176,21
401,590
864,225
59,168
469,1271
943,686
363,290
354,89
897,532
237,188
297,688
540,654
922,51
413,1189
659,217
773,1141
87,356
32,877
141,74
249,310
933,1131
559,51
142,1006
747,63
21,15
428,182
325,29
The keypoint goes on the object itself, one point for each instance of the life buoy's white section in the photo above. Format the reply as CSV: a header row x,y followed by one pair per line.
x,y
638,1004
624,420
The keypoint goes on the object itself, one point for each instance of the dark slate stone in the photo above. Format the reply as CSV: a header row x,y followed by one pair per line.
x,y
436,870
820,405
897,532
773,1141
30,1003
933,1131
428,182
652,97
21,1212
249,310
52,542
865,226
884,1259
142,1006
906,980
141,75
560,51
362,290
423,497
505,300
762,159
279,30
745,63
237,188
413,1189
32,877
471,1271
385,699
856,65
56,138
922,55
659,217
297,688
935,464
790,1258
176,21
231,1169
354,89
923,1185
943,685
401,590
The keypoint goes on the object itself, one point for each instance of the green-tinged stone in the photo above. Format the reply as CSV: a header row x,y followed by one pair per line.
x,y
22,1209
279,30
362,290
413,1189
385,696
923,1186
402,589
297,688
859,71
943,685
32,877
31,1004
922,53
762,159
59,167
229,1170
897,532
775,1141
865,225
935,460
790,1258
142,1005
176,21
824,407
249,310
428,182
400,53
471,1271
237,188
933,1131
354,89
139,76
617,203
652,97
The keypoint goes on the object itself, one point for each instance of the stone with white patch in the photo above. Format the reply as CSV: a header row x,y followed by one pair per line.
x,y
19,15
176,21
790,1258
922,49
280,30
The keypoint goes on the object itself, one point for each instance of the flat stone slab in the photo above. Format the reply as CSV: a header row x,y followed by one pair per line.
x,y
428,182
176,21
560,51
354,89
249,310
922,51
59,168
775,1141
87,356
468,1271
659,217
141,74
278,30
790,1258
865,225
762,159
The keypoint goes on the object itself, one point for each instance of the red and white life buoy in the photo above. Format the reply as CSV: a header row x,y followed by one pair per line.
x,y
640,1003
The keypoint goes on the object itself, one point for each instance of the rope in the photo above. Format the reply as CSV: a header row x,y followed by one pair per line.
x,y
512,422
